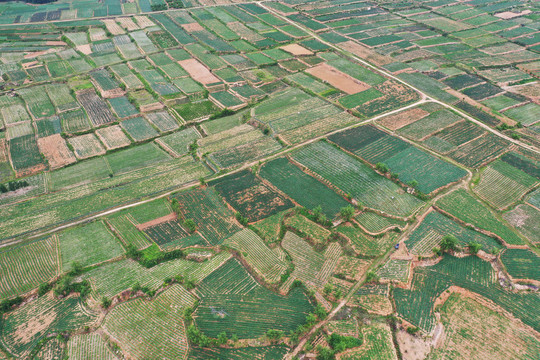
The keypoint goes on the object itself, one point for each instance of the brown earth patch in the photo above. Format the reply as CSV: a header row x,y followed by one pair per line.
x,y
404,118
366,53
86,49
198,71
193,27
338,79
297,50
56,152
159,220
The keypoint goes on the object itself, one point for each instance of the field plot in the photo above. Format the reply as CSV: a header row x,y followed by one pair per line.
x,y
501,184
127,76
113,278
250,196
395,270
521,264
526,219
243,307
172,234
308,229
88,245
13,114
122,107
302,188
213,219
196,110
199,72
471,273
37,101
338,79
435,226
86,146
48,126
139,129
526,114
19,129
274,352
113,137
163,121
88,347
375,223
466,208
353,177
25,327
96,109
74,121
364,244
377,344
24,267
244,152
470,328
55,150
177,144
265,261
402,119
51,349
453,136
430,124
479,151
25,155
310,267
61,97
106,84
135,158
152,329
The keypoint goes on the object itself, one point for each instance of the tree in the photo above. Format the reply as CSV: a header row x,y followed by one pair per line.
x,y
190,225
371,277
328,288
325,353
234,338
318,215
105,302
474,247
274,335
449,243
222,338
347,212
413,184
382,167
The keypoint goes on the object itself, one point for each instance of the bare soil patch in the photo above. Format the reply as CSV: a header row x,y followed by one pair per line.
x,y
198,71
297,50
366,53
159,220
338,79
193,27
56,152
404,118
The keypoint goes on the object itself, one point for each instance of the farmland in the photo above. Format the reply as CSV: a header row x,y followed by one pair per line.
x,y
218,179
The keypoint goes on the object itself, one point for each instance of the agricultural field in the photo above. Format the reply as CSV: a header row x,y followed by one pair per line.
x,y
251,197
208,179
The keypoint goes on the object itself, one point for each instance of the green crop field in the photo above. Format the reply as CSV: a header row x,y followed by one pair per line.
x,y
471,273
466,208
172,234
307,228
139,129
250,196
357,179
24,267
395,269
274,352
18,333
521,263
501,184
152,329
88,245
135,158
376,223
37,101
244,308
302,188
365,244
435,226
89,346
376,344
265,261
213,219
